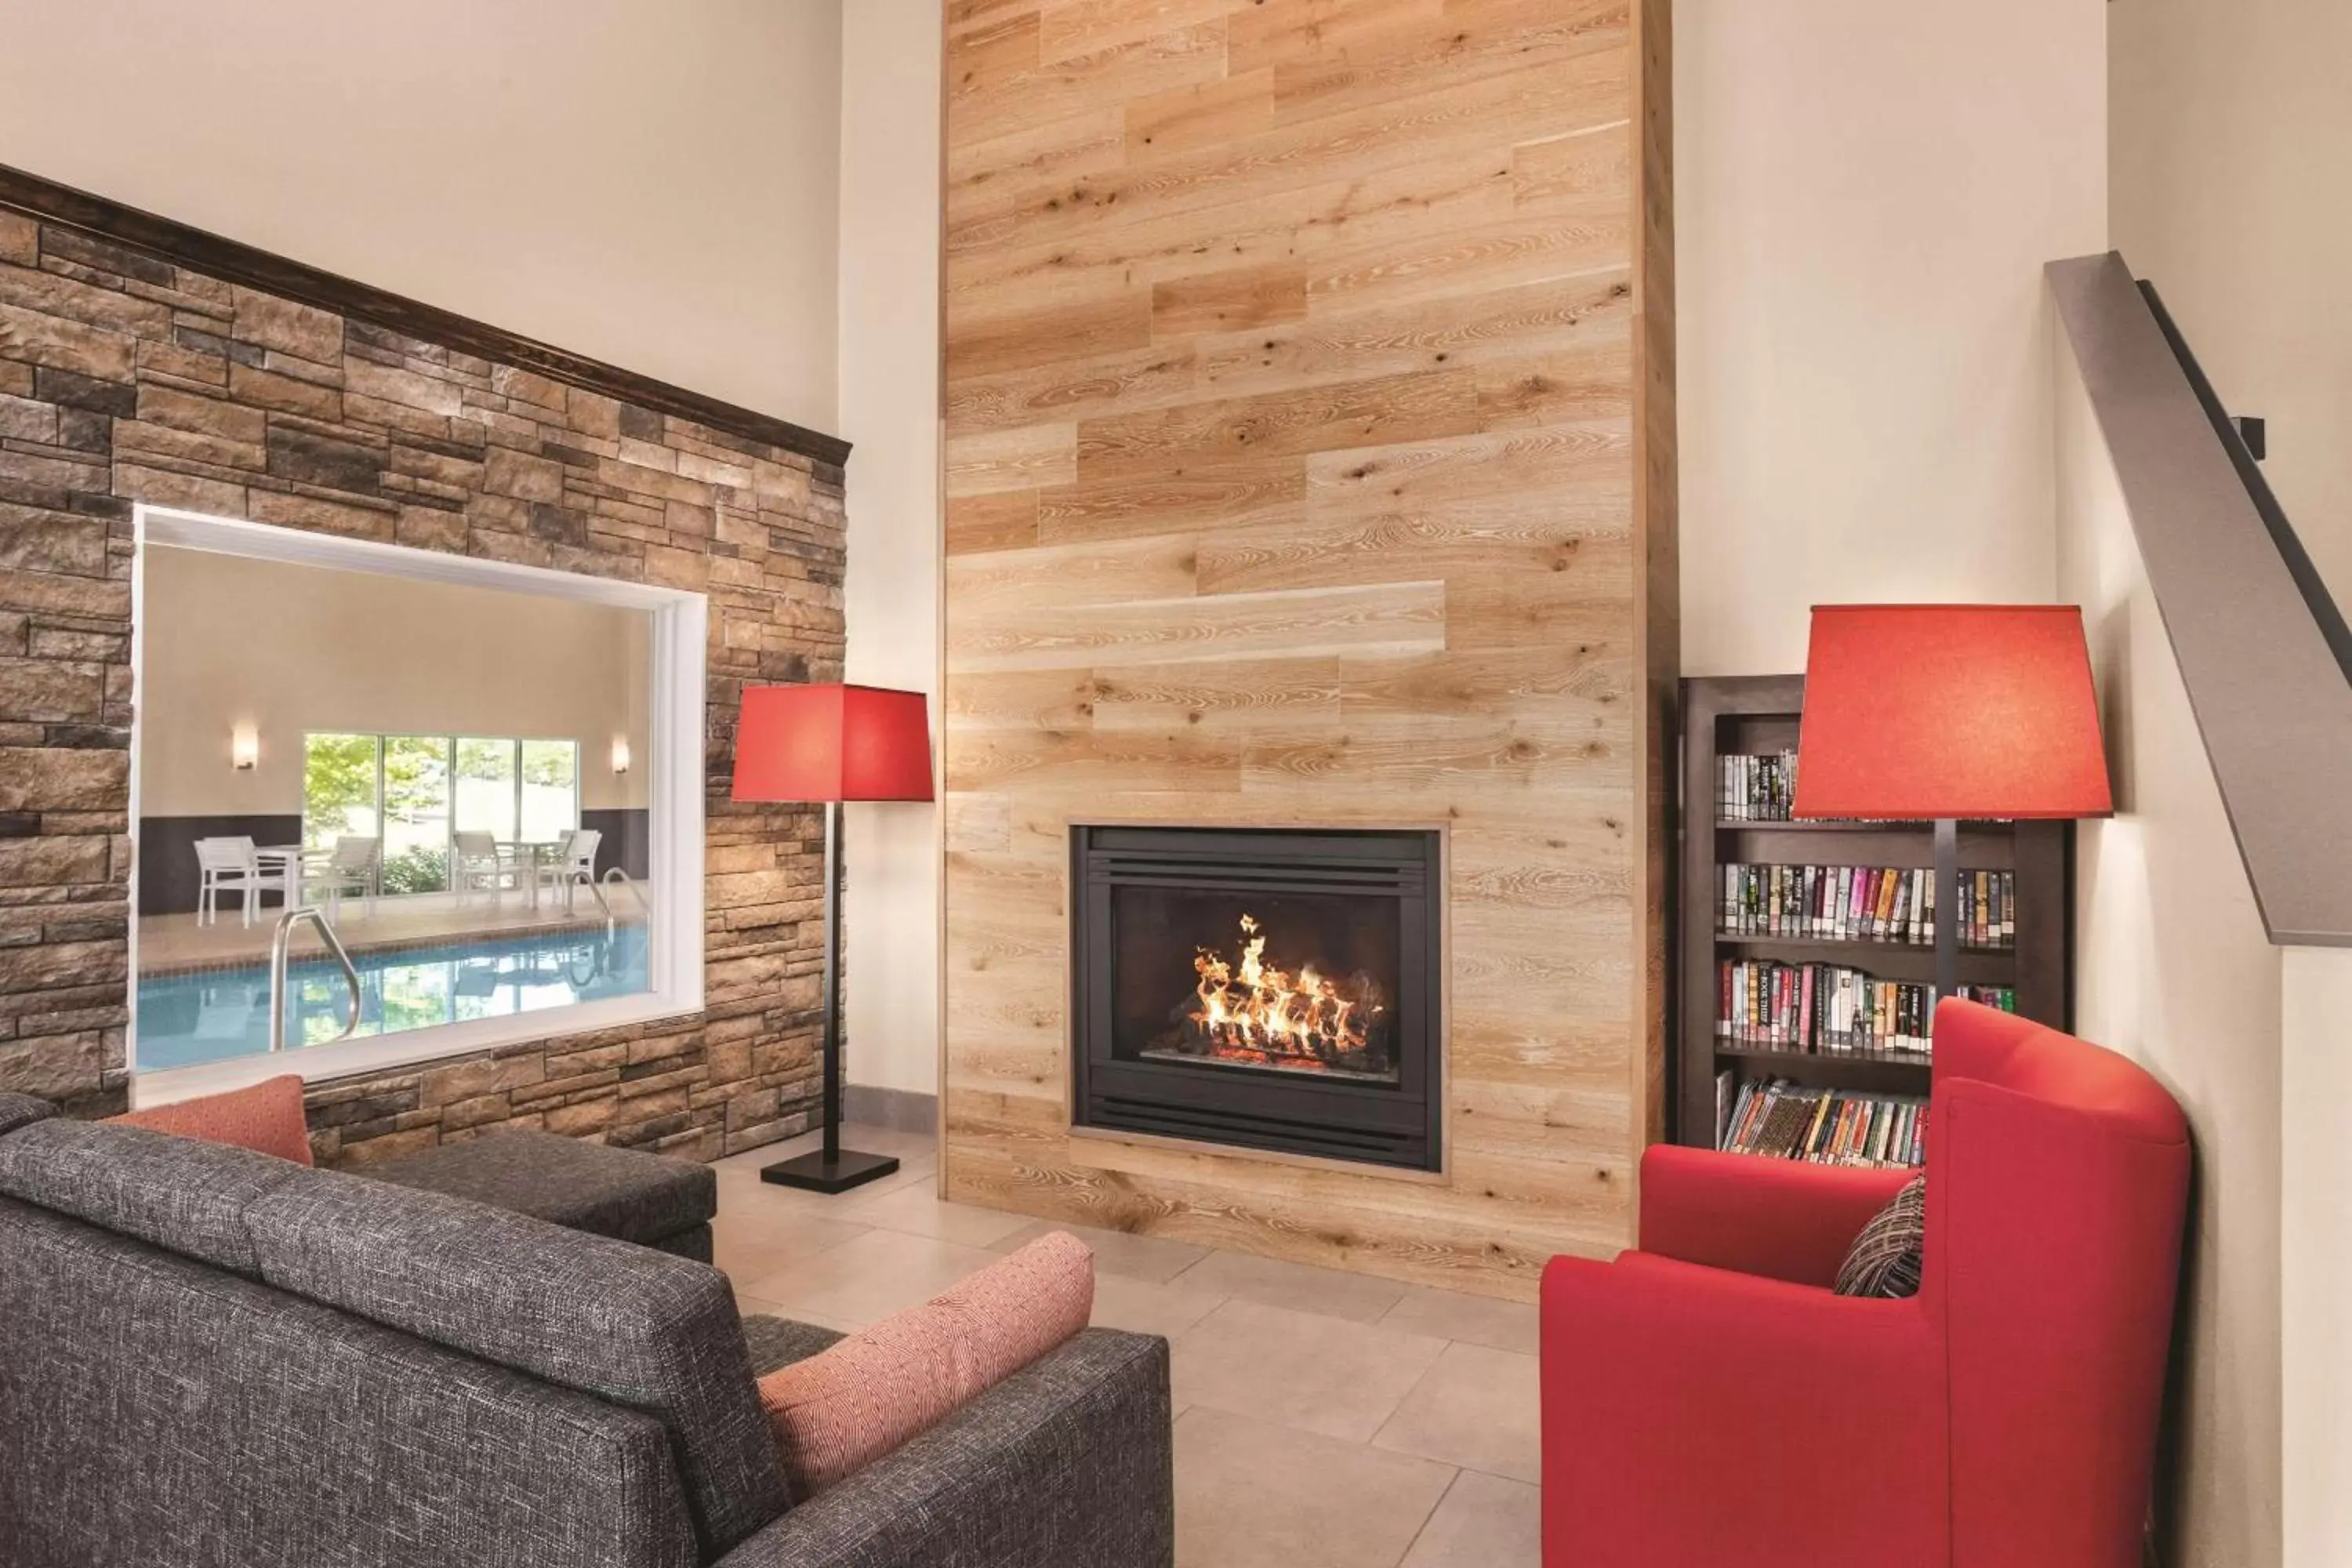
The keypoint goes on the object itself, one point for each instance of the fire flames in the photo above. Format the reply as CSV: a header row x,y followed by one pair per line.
x,y
1255,1012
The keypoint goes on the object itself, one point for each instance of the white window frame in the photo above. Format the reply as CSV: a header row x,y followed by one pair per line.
x,y
674,890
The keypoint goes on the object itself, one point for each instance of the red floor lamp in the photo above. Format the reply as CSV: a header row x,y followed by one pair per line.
x,y
1946,713
832,743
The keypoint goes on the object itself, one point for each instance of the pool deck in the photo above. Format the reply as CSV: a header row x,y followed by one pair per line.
x,y
172,944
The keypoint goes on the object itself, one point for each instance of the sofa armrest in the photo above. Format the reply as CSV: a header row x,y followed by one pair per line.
x,y
1069,1463
1691,1413
1781,1219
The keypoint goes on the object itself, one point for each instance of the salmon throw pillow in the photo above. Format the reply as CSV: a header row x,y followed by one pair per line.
x,y
266,1118
858,1399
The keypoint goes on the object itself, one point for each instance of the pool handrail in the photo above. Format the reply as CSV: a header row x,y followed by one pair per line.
x,y
277,943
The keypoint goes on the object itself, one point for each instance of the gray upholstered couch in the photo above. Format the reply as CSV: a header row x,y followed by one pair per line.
x,y
212,1357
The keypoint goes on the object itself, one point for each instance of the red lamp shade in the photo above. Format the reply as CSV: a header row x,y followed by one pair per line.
x,y
1918,711
833,743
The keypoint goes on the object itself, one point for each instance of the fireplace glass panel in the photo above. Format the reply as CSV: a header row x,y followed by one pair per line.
x,y
1258,982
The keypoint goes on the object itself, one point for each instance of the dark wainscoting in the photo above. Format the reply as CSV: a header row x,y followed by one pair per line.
x,y
627,841
168,880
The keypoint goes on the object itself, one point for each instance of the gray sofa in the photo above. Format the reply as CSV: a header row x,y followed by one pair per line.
x,y
209,1357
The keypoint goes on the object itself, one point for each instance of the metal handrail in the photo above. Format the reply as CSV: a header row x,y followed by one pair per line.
x,y
597,887
277,941
613,873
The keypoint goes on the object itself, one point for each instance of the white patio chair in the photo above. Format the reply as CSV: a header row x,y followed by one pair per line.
x,y
230,866
573,862
476,865
356,863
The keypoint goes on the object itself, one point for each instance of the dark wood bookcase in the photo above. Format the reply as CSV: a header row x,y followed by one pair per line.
x,y
1758,714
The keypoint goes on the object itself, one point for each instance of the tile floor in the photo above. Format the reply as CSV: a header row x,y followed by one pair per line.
x,y
1323,1420
169,942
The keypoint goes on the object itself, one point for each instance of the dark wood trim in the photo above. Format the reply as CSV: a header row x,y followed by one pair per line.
x,y
233,262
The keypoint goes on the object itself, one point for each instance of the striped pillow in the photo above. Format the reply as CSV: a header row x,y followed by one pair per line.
x,y
1884,1259
858,1399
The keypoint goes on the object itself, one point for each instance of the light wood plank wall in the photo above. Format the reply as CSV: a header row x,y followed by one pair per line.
x,y
1309,460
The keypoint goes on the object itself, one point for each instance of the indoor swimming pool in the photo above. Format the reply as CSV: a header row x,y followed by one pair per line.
x,y
211,1015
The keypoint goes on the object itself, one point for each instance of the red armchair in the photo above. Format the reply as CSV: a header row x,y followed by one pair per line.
x,y
1707,1400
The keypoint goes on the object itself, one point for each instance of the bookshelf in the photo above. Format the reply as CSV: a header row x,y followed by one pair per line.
x,y
1757,715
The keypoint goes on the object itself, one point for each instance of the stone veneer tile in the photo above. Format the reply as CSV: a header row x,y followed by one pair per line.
x,y
123,378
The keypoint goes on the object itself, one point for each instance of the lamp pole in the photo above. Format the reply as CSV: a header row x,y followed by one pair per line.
x,y
831,1169
1947,907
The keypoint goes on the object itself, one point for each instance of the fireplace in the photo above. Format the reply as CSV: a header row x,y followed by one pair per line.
x,y
1268,989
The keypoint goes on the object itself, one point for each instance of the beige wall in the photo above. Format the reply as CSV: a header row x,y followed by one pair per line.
x,y
2173,968
1866,194
230,641
890,410
2316,1261
651,184
2232,140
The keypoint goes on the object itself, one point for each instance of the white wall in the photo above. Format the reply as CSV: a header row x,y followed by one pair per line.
x,y
231,642
2173,968
1866,194
650,185
890,410
2232,132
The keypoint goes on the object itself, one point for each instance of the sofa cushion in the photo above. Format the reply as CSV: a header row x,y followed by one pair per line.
x,y
266,1117
188,1197
850,1403
22,1110
626,1193
629,1324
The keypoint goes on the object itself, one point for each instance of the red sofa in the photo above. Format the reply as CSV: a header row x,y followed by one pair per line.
x,y
1708,1401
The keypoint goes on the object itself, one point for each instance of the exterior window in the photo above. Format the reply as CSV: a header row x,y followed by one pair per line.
x,y
418,791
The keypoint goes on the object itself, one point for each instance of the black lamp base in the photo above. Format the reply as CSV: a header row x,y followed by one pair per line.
x,y
817,1173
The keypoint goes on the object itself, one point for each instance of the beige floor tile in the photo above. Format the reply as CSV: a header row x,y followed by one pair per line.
x,y
1300,1287
741,1184
1116,1251
1305,1370
750,1306
1250,1494
868,1277
1477,1408
749,1243
1485,1522
906,1146
1474,1319
1143,1306
915,1210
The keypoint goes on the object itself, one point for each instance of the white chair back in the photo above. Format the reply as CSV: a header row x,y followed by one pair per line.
x,y
478,845
353,853
580,850
225,855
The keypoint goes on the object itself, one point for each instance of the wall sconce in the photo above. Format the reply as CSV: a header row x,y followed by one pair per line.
x,y
244,748
620,754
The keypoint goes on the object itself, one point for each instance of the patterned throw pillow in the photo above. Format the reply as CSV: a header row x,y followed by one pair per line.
x,y
1884,1259
266,1117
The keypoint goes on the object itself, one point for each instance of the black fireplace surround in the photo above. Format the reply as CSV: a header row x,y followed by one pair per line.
x,y
1265,988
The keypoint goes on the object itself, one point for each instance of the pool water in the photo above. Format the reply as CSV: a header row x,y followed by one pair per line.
x,y
217,1014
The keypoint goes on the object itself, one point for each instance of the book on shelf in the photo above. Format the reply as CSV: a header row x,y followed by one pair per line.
x,y
1779,1119
1862,903
1754,788
1833,1009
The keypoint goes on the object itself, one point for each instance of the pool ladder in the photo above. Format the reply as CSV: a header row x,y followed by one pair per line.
x,y
612,875
278,940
